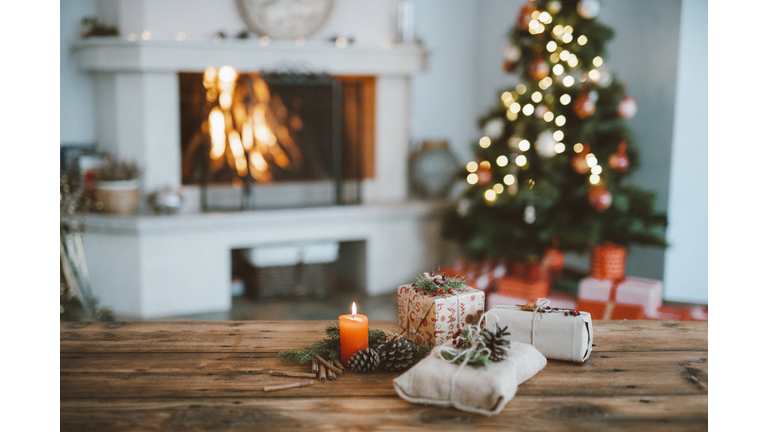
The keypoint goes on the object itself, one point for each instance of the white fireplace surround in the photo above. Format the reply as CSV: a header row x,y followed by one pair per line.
x,y
149,266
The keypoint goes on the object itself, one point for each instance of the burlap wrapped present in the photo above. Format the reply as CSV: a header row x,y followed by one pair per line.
x,y
435,381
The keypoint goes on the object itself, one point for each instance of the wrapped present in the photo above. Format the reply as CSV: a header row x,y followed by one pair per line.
x,y
434,318
610,310
607,261
522,288
485,390
646,293
560,334
557,299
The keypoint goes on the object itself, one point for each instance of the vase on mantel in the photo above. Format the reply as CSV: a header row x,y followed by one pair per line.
x,y
117,187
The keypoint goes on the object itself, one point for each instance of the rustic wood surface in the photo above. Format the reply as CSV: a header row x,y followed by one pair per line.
x,y
190,376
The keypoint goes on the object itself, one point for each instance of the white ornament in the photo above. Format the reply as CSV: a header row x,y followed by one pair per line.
x,y
627,108
545,144
529,215
512,53
494,128
540,111
554,7
605,77
588,8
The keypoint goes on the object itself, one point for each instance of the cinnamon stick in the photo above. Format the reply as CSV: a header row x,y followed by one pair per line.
x,y
315,368
291,374
328,365
337,363
331,375
287,386
322,373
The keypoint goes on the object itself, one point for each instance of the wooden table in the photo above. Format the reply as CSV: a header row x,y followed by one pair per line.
x,y
195,376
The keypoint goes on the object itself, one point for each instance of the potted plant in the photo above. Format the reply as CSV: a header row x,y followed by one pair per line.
x,y
117,186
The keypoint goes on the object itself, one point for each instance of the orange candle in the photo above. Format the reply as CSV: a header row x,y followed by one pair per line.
x,y
353,331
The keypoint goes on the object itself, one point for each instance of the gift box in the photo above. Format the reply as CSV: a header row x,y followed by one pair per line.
x,y
561,334
485,390
434,320
522,288
607,262
646,293
610,310
557,299
479,275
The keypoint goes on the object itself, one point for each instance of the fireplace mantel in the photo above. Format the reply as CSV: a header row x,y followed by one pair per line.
x,y
118,55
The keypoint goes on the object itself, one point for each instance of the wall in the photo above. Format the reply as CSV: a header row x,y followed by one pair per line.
x,y
465,39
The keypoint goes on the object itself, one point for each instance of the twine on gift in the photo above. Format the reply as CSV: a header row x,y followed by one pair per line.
x,y
539,306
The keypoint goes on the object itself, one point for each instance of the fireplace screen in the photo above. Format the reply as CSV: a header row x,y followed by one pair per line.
x,y
241,130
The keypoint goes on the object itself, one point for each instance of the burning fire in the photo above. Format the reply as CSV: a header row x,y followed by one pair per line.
x,y
250,130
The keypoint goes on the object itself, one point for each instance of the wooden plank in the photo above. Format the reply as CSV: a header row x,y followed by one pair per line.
x,y
190,375
274,336
556,413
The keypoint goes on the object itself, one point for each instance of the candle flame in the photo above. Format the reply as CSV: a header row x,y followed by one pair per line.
x,y
354,310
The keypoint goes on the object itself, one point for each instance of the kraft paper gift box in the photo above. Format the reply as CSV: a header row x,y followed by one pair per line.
x,y
434,320
632,290
556,333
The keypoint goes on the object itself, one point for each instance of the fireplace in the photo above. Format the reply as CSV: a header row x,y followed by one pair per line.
x,y
149,266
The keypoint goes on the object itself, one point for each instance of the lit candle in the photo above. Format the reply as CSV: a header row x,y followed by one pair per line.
x,y
353,331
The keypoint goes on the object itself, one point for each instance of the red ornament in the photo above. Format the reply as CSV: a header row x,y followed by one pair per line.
x,y
579,162
584,106
484,175
554,259
511,56
627,108
539,69
599,197
525,15
619,161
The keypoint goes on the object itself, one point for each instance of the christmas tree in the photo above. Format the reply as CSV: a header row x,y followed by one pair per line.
x,y
552,165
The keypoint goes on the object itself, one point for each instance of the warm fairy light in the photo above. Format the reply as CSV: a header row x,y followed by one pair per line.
x,y
217,131
557,30
597,169
551,46
498,188
536,97
560,120
258,163
559,148
548,116
247,135
341,42
594,179
227,76
535,14
225,100
524,145
594,74
545,17
558,135
515,108
591,160
521,88
567,29
354,310
472,178
582,40
241,164
558,69
485,165
545,83
567,38
507,98
578,147
528,109
535,27
512,116
565,99
472,166
264,134
573,61
549,98
554,58
485,142
521,160
564,55
597,61
490,195
509,179
502,161
568,81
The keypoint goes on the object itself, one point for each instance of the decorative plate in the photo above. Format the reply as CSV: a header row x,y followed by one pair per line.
x,y
285,19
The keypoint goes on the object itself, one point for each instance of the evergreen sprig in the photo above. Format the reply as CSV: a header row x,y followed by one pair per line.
x,y
438,283
476,359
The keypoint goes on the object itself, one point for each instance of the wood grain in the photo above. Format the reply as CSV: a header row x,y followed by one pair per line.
x,y
642,375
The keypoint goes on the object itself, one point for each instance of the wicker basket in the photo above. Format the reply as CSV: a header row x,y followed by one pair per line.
x,y
118,197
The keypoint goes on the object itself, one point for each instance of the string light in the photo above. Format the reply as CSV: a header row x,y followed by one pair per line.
x,y
485,165
582,40
594,179
591,160
597,169
564,55
485,142
549,116
559,148
514,108
567,38
528,109
502,161
545,83
594,74
558,69
472,166
521,160
509,179
545,17
554,58
536,97
511,116
565,99
557,31
551,46
472,178
524,145
498,188
597,61
560,120
578,147
568,81
558,135
490,195
507,98
573,61
520,88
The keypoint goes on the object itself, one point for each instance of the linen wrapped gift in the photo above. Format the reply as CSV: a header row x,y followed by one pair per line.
x,y
631,290
434,315
560,334
485,390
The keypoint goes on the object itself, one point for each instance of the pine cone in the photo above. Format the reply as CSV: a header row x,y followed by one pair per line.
x,y
396,353
364,361
497,341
